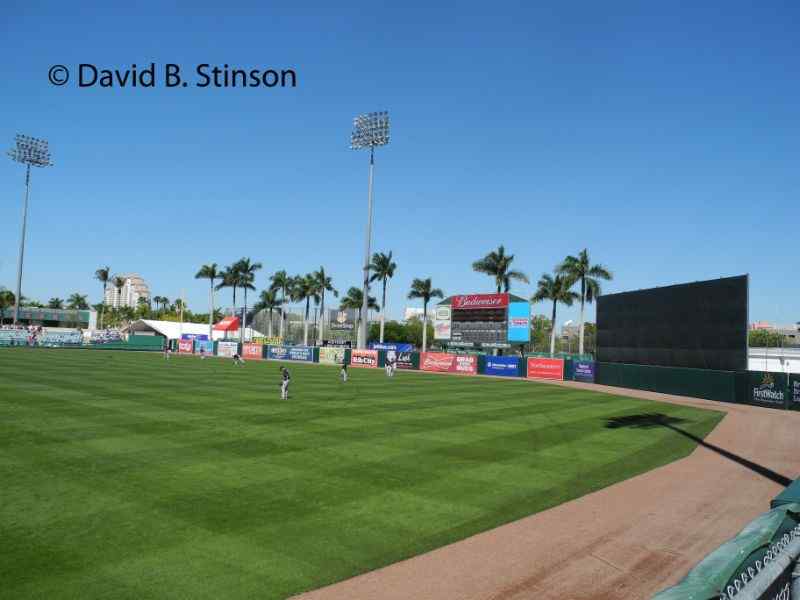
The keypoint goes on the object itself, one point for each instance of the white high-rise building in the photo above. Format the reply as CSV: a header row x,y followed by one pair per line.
x,y
134,288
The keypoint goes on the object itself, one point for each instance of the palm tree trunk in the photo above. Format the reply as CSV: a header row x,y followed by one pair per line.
x,y
425,327
383,308
583,300
269,325
283,312
244,317
103,307
305,324
553,332
321,331
211,311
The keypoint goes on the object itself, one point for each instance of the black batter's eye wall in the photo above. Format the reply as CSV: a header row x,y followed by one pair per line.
x,y
700,325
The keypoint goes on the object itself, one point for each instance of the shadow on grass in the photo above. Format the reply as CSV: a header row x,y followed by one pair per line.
x,y
651,420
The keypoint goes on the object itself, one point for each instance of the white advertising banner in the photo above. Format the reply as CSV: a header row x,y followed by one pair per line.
x,y
227,349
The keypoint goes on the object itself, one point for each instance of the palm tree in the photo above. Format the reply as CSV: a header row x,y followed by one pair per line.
x,y
323,284
55,303
281,281
246,276
102,275
421,288
556,289
211,273
77,302
118,283
382,268
580,268
497,264
269,301
305,288
142,308
229,278
7,299
355,300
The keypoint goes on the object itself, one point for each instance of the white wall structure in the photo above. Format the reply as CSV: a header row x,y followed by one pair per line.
x,y
134,288
775,360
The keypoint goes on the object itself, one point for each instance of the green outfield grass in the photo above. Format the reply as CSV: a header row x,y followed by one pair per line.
x,y
124,476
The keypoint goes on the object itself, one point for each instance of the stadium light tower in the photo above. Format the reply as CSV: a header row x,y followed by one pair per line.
x,y
35,152
369,131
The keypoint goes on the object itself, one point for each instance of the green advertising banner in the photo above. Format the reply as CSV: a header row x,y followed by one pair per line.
x,y
768,389
794,392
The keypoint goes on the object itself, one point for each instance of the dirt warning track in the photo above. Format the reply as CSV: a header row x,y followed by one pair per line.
x,y
626,541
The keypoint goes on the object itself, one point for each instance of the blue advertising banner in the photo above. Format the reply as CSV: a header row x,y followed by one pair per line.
x,y
519,322
194,336
502,365
207,346
583,370
290,353
397,347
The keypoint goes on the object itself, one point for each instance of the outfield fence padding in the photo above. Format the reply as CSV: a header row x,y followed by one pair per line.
x,y
698,383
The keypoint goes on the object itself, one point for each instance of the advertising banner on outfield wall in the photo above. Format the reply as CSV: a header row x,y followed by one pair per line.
x,y
768,389
406,360
331,356
396,346
794,392
253,351
364,358
546,368
507,366
268,341
194,336
227,349
206,346
449,363
583,370
300,353
185,346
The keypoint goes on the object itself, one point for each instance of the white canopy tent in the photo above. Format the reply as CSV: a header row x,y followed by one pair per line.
x,y
173,330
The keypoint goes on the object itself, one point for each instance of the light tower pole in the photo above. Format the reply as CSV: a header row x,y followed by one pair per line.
x,y
369,131
35,152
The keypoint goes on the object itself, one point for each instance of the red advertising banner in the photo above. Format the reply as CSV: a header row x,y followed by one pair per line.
x,y
480,301
364,358
546,368
253,351
185,346
449,363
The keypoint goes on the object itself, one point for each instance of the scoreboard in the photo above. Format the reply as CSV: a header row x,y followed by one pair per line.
x,y
483,321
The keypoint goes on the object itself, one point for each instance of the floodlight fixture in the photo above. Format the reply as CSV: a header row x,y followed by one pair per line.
x,y
31,152
370,130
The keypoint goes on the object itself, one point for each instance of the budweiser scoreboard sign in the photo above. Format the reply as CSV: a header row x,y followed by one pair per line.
x,y
479,301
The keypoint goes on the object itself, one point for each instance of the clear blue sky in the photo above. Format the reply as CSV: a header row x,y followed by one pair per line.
x,y
666,139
